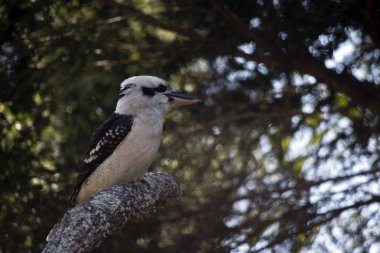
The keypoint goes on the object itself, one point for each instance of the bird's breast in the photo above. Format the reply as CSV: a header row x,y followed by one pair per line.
x,y
130,160
136,152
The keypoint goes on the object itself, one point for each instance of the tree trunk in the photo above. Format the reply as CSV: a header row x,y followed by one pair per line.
x,y
84,227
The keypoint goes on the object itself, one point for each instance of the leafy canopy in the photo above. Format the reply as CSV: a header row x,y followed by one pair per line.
x,y
283,155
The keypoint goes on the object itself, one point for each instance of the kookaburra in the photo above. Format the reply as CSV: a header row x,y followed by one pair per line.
x,y
123,147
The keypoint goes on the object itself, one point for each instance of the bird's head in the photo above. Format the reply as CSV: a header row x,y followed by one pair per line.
x,y
149,92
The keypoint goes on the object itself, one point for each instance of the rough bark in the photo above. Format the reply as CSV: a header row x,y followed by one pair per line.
x,y
83,228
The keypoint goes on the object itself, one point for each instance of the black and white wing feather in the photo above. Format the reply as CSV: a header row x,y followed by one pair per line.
x,y
103,142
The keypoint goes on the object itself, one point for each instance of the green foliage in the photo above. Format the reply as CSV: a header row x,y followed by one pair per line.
x,y
281,150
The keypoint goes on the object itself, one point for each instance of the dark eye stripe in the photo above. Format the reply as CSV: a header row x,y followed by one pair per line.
x,y
148,91
161,88
126,87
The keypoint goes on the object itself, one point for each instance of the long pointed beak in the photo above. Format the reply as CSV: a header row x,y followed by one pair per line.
x,y
181,98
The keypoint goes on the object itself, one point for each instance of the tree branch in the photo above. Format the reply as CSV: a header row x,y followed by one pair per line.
x,y
363,94
83,228
131,10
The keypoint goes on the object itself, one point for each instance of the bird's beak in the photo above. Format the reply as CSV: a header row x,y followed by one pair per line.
x,y
181,98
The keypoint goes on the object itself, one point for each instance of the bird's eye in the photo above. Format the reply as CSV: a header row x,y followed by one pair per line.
x,y
161,88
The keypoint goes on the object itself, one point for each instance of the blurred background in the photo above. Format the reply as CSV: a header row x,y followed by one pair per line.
x,y
281,156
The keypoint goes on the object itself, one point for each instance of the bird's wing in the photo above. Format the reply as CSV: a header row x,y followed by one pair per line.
x,y
103,142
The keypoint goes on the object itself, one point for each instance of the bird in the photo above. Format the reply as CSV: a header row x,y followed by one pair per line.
x,y
123,148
